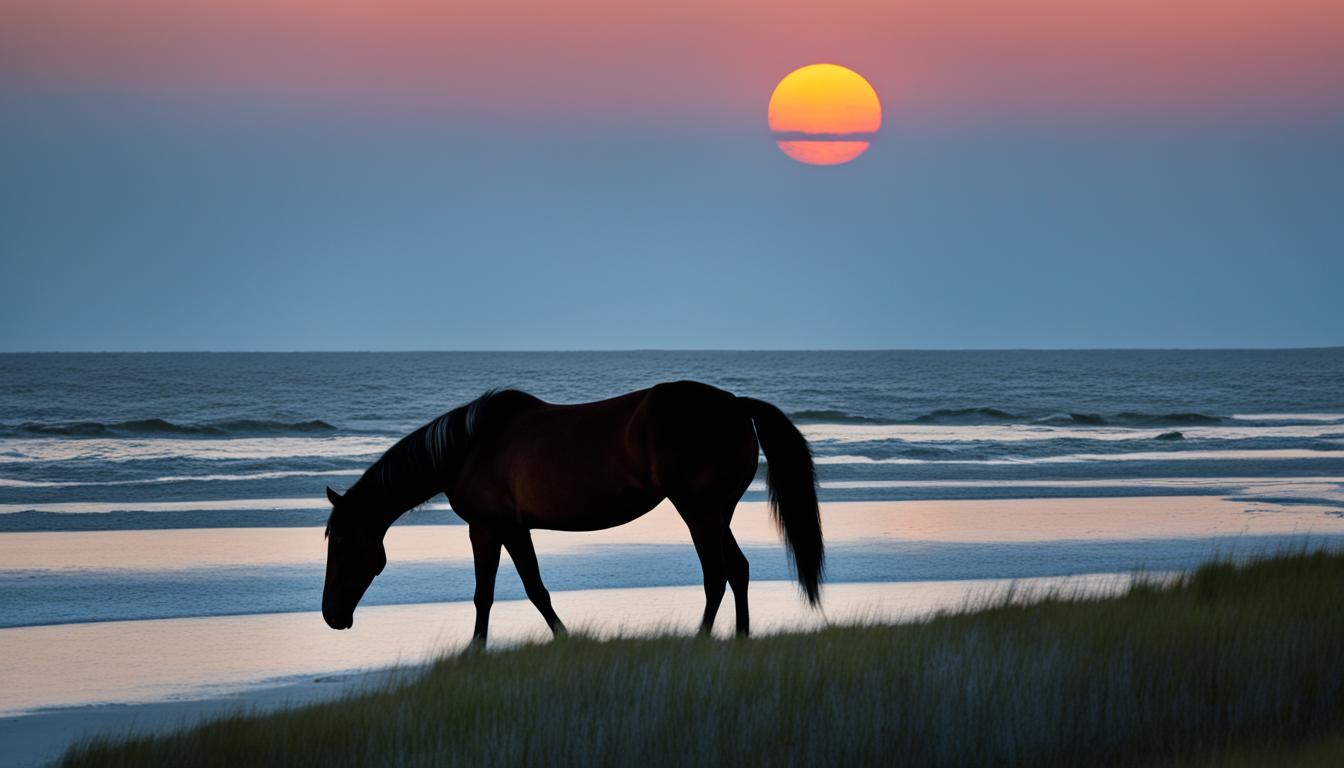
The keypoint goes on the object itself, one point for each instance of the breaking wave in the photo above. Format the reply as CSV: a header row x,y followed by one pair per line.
x,y
215,478
966,416
831,417
1131,419
160,428
988,416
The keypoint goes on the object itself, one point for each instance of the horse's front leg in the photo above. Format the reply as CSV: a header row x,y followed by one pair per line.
x,y
524,559
485,545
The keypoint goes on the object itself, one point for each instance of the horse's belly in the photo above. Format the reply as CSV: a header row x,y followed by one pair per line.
x,y
594,513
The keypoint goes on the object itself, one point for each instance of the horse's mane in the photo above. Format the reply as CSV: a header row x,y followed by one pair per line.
x,y
419,466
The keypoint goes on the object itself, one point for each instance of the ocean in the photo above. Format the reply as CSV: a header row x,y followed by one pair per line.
x,y
218,440
139,488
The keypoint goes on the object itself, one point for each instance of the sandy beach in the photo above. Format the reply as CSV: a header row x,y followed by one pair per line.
x,y
68,680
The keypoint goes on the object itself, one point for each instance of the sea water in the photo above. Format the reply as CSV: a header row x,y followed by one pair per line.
x,y
173,443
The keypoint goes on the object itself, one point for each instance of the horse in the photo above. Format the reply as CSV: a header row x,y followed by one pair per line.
x,y
509,463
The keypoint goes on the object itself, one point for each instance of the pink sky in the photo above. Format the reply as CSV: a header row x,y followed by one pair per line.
x,y
695,60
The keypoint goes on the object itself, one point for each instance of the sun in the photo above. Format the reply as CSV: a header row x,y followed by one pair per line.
x,y
824,114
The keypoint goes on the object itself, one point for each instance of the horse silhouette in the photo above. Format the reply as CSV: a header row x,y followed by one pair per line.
x,y
509,462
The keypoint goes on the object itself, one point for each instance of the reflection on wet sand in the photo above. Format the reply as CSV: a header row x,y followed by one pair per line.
x,y
988,521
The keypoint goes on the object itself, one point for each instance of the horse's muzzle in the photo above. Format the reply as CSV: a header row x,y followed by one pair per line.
x,y
337,619
343,622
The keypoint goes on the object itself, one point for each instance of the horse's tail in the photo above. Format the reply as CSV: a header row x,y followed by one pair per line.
x,y
793,491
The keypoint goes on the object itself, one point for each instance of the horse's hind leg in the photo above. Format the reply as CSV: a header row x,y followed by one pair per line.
x,y
525,562
739,570
485,552
707,534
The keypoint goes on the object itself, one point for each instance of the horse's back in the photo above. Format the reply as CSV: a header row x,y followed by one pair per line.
x,y
596,465
570,467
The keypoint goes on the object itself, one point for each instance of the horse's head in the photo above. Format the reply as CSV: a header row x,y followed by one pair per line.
x,y
354,556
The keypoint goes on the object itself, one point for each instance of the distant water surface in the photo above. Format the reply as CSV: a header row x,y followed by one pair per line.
x,y
206,440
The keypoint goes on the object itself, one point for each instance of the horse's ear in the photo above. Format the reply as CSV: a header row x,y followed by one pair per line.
x,y
333,496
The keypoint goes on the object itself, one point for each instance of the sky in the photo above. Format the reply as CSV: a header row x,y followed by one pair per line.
x,y
599,174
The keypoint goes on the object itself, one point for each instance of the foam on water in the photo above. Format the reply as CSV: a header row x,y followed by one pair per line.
x,y
1279,454
45,450
212,505
6,483
1017,433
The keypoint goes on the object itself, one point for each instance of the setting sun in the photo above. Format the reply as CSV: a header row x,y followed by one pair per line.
x,y
824,114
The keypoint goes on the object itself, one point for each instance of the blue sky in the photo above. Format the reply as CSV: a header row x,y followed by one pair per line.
x,y
300,174
202,229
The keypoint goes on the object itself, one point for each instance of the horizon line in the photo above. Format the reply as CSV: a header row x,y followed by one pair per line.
x,y
618,350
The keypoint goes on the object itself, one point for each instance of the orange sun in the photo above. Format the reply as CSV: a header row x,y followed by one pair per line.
x,y
824,114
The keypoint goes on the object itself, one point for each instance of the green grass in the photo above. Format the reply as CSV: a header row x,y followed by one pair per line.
x,y
1229,664
1326,752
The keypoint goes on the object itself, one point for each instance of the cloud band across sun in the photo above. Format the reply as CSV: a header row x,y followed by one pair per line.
x,y
824,114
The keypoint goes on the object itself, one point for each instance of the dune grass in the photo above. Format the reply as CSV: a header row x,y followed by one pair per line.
x,y
1231,663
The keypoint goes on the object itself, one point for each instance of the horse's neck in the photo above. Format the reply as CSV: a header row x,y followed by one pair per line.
x,y
417,468
390,493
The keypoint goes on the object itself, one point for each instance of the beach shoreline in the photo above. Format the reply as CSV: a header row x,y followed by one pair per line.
x,y
66,681
1221,660
40,737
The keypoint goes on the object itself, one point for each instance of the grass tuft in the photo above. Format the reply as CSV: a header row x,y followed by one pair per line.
x,y
1230,661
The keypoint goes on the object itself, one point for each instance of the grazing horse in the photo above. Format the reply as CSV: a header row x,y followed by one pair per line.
x,y
509,462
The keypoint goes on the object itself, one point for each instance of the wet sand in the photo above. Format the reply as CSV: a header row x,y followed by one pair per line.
x,y
962,521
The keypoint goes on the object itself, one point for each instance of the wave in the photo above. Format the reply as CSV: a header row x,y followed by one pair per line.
x,y
1291,418
986,415
1267,454
1131,419
831,417
965,416
1072,420
37,450
262,426
991,415
1017,433
1166,419
1329,485
161,427
293,504
277,475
